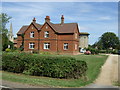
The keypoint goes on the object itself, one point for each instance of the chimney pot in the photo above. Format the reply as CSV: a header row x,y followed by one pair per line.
x,y
34,20
47,18
62,19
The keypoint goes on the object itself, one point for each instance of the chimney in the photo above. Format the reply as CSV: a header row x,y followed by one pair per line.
x,y
47,19
34,20
62,19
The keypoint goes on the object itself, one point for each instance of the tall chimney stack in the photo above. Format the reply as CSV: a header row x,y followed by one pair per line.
x,y
47,19
34,20
62,19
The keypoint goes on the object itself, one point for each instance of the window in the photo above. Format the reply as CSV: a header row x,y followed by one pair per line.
x,y
46,34
75,46
32,34
31,45
46,45
65,46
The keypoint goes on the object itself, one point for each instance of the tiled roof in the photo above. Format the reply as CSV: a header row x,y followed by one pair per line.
x,y
22,30
58,28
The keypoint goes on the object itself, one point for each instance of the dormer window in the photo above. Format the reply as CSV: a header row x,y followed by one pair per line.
x,y
32,34
46,35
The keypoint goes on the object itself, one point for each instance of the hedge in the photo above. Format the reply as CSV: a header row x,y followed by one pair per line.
x,y
55,67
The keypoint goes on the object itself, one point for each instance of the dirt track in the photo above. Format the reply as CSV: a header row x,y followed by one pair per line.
x,y
108,74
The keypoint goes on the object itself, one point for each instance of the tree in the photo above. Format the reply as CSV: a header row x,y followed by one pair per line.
x,y
4,19
108,40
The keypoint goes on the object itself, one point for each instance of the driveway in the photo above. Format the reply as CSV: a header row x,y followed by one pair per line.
x,y
108,75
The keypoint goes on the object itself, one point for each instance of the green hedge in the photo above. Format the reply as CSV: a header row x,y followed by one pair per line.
x,y
56,67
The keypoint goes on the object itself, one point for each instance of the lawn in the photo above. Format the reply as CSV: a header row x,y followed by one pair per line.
x,y
94,63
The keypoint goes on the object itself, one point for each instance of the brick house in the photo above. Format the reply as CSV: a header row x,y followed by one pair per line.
x,y
62,37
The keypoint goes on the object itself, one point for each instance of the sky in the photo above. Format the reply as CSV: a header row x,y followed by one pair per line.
x,y
95,18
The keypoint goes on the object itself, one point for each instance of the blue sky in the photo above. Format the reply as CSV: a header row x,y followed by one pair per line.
x,y
92,17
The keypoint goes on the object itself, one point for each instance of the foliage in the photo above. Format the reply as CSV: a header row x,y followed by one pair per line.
x,y
4,19
22,46
56,67
108,40
109,51
45,53
94,63
7,49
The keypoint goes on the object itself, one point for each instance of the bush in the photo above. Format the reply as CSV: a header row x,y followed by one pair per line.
x,y
115,52
14,62
56,67
45,53
35,51
8,50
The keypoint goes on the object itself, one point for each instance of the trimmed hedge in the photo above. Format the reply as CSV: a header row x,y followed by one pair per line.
x,y
56,67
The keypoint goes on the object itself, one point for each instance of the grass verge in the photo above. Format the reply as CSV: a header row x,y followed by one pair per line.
x,y
94,63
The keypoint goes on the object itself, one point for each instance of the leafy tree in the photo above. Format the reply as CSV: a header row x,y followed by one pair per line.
x,y
4,18
108,40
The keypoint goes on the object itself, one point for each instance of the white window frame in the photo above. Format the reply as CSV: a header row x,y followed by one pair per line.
x,y
65,46
31,45
46,34
32,34
46,45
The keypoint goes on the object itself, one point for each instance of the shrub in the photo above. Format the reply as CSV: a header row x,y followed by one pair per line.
x,y
7,49
35,51
14,62
115,52
102,51
45,53
56,67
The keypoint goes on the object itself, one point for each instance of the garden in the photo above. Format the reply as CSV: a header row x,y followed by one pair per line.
x,y
51,70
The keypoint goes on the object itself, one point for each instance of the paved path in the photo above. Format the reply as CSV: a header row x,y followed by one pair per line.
x,y
108,75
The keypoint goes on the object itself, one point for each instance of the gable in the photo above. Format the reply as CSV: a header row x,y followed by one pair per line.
x,y
47,26
30,27
24,28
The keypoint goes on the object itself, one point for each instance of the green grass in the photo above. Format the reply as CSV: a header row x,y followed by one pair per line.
x,y
94,63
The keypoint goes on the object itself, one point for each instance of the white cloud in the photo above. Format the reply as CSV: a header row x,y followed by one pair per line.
x,y
105,18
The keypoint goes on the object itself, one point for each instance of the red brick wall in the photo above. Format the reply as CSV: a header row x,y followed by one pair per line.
x,y
56,40
52,39
19,41
28,39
